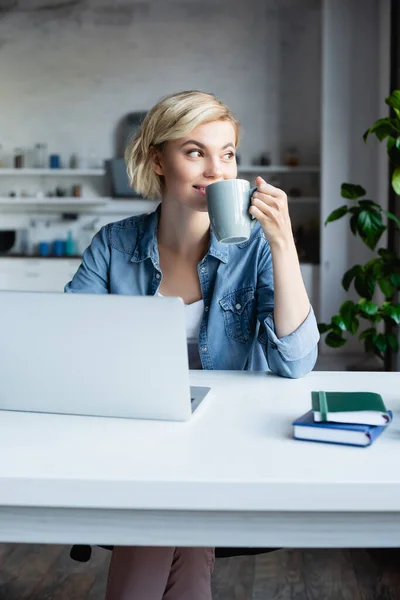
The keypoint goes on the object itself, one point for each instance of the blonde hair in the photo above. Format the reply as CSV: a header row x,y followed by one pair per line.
x,y
173,117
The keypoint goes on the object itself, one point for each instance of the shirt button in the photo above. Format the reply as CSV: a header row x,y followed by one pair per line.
x,y
206,308
204,348
203,269
238,306
158,275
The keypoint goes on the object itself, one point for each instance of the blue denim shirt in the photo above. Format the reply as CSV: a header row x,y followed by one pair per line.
x,y
237,329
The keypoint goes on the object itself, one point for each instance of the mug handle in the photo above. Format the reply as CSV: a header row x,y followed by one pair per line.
x,y
253,219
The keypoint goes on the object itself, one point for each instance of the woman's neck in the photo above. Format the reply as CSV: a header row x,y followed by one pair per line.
x,y
183,231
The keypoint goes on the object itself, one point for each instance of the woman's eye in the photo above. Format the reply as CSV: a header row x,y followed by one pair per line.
x,y
194,153
229,155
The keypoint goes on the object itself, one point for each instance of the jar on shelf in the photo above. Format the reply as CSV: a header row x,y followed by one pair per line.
x,y
265,159
40,156
18,158
292,157
77,190
74,161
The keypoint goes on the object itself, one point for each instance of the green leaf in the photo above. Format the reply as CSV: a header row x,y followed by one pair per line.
x,y
338,321
391,142
364,285
374,268
394,99
380,342
353,224
381,128
397,143
386,254
323,327
367,307
338,213
369,204
393,342
370,228
350,191
334,340
395,279
354,326
365,223
374,318
387,287
396,180
348,312
393,217
369,345
349,276
371,331
393,311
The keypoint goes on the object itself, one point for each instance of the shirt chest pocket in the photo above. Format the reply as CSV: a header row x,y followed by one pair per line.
x,y
239,312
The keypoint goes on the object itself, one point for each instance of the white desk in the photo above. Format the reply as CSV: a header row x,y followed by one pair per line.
x,y
232,476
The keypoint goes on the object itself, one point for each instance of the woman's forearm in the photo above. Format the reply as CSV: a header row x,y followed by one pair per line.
x,y
291,303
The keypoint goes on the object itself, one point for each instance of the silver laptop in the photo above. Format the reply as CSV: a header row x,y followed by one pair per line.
x,y
93,354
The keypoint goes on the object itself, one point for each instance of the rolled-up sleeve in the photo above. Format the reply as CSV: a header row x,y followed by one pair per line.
x,y
293,355
92,276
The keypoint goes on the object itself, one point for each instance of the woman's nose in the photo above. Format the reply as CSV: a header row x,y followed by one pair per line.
x,y
213,168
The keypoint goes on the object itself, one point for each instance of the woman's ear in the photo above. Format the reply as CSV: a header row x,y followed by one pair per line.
x,y
157,161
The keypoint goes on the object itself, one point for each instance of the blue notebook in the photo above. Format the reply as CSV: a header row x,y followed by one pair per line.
x,y
350,434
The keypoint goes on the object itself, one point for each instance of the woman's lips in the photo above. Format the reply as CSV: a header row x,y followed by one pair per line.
x,y
201,190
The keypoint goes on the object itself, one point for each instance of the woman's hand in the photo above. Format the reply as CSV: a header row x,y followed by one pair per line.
x,y
270,208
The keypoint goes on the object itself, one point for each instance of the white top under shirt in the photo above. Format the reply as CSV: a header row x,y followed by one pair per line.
x,y
193,316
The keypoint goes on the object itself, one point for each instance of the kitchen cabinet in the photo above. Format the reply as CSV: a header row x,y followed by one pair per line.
x,y
36,275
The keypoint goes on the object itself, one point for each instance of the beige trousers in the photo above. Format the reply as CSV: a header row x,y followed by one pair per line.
x,y
159,573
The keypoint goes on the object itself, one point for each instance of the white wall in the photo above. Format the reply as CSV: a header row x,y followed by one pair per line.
x,y
69,73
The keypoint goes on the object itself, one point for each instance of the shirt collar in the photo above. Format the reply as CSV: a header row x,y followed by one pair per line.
x,y
147,246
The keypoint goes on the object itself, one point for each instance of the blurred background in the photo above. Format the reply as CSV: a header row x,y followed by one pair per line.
x,y
304,77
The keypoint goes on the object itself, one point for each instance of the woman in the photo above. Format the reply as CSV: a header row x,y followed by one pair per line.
x,y
251,296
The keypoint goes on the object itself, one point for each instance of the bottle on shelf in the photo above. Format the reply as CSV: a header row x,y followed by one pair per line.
x,y
40,156
70,244
18,158
54,161
292,157
74,161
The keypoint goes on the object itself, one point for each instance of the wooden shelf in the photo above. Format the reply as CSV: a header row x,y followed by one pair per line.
x,y
52,172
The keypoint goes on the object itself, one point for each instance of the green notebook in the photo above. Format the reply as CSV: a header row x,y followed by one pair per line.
x,y
350,407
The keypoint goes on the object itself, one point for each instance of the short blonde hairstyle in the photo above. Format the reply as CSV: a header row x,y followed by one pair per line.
x,y
173,117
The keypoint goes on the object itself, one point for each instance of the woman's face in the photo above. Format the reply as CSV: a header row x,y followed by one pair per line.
x,y
207,154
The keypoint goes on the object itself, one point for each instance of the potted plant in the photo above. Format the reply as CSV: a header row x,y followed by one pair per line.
x,y
375,323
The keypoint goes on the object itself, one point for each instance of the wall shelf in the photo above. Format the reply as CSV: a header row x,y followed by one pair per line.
x,y
97,204
52,172
101,172
111,205
59,201
278,169
304,200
